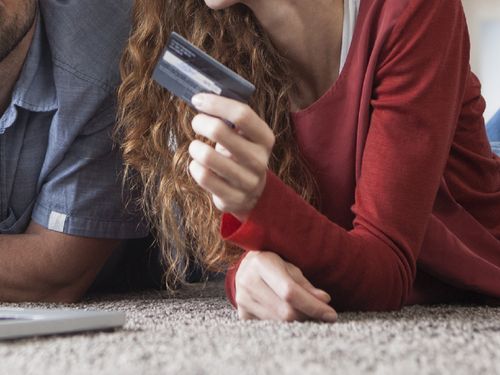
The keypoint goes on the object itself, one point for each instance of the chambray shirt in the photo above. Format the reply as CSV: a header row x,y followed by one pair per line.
x,y
58,165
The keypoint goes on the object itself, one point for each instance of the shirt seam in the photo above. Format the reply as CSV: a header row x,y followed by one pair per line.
x,y
72,216
24,104
83,76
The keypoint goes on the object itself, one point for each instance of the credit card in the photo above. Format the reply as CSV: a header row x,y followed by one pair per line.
x,y
185,71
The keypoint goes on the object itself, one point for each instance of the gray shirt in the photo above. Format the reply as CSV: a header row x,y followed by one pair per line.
x,y
58,166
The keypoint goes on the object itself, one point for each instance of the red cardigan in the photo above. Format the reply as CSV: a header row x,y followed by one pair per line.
x,y
409,186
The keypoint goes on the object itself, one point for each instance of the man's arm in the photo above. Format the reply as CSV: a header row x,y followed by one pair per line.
x,y
43,265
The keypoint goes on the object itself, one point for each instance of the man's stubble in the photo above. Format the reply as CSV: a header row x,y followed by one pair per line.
x,y
13,28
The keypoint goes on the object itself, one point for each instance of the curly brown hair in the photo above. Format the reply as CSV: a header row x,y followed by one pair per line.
x,y
154,128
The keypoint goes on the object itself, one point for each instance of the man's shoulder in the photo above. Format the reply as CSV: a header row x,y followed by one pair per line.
x,y
86,38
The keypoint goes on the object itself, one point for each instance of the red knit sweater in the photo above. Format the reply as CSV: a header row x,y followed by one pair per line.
x,y
409,187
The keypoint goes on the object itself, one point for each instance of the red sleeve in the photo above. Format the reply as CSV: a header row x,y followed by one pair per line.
x,y
416,102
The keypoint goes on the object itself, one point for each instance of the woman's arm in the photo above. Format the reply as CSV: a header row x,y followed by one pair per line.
x,y
416,103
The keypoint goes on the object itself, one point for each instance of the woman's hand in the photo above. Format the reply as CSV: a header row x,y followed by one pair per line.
x,y
269,288
235,171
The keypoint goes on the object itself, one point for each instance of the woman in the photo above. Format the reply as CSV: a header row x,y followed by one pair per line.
x,y
361,166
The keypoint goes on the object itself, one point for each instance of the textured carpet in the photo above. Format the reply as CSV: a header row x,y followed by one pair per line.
x,y
196,332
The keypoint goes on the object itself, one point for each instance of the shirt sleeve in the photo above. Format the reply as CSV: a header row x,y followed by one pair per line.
x,y
416,101
83,194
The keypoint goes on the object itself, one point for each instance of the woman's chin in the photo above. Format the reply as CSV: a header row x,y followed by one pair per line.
x,y
220,4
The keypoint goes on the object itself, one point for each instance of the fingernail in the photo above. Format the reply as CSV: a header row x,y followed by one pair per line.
x,y
321,293
198,100
327,296
330,317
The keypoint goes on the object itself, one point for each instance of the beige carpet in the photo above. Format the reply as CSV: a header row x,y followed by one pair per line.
x,y
196,332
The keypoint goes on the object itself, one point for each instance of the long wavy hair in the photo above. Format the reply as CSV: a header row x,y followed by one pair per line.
x,y
154,128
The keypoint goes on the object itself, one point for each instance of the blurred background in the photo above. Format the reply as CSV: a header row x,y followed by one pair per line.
x,y
483,18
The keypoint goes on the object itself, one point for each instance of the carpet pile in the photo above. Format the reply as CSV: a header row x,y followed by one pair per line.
x,y
197,332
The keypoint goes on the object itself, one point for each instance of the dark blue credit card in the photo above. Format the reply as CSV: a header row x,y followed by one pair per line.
x,y
185,71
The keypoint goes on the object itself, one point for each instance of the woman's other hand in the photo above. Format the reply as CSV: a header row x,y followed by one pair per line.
x,y
269,288
235,171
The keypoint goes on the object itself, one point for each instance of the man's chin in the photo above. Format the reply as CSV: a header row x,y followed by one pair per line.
x,y
11,35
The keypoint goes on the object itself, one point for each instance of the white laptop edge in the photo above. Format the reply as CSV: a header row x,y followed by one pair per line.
x,y
19,323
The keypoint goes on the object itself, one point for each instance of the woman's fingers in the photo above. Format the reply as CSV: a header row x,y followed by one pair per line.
x,y
211,182
240,114
300,279
246,315
247,306
234,200
246,153
305,302
224,167
264,277
256,298
236,174
216,130
293,293
223,151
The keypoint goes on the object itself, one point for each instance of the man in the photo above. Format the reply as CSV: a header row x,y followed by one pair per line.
x,y
61,204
